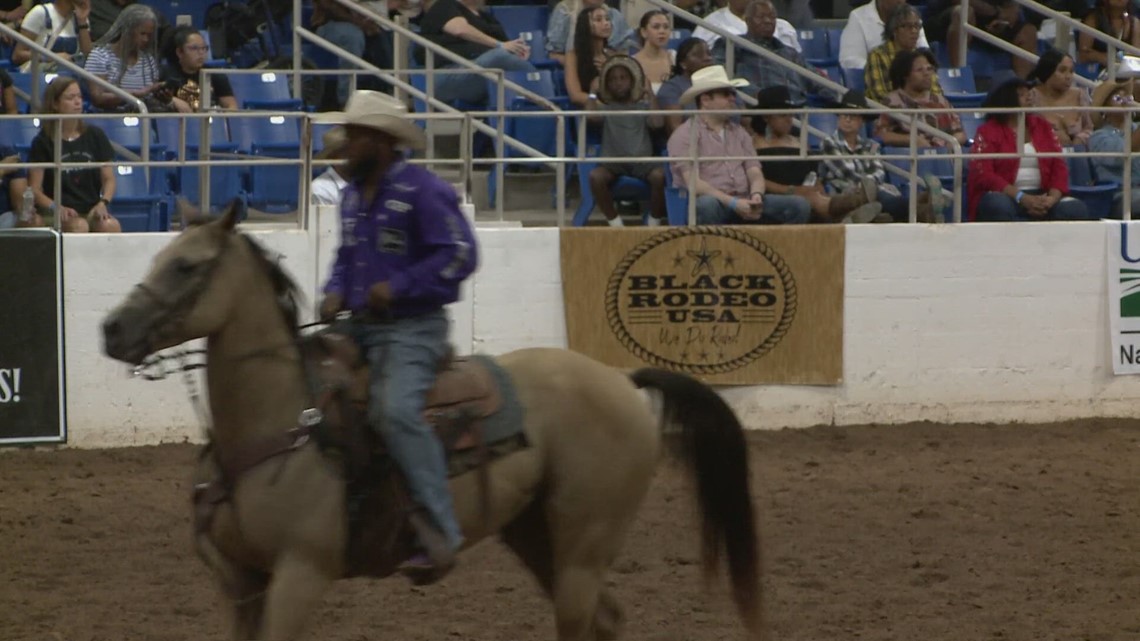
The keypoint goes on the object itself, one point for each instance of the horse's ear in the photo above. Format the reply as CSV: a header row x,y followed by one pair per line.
x,y
233,213
187,212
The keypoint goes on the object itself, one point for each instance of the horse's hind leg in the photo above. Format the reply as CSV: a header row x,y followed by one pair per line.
x,y
248,605
528,536
295,590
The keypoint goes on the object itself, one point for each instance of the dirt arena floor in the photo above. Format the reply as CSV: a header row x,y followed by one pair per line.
x,y
909,533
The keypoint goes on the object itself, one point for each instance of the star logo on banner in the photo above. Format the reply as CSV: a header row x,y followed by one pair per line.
x,y
703,259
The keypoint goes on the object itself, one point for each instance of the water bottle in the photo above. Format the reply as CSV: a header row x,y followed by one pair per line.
x,y
28,210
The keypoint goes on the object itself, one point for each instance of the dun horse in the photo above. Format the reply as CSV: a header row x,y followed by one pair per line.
x,y
563,503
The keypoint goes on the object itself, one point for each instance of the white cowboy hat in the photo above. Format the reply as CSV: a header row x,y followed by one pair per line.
x,y
378,110
708,79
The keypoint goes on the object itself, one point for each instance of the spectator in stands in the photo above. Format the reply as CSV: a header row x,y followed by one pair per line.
x,y
760,16
727,191
185,56
900,34
912,76
730,18
61,26
624,87
699,8
1000,18
692,56
357,34
85,201
7,94
13,182
1110,17
562,26
1054,77
467,29
590,52
12,12
326,188
105,12
655,56
1026,188
1109,138
127,58
799,178
864,31
839,175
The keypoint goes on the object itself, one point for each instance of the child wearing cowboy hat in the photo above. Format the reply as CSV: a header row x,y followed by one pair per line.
x,y
623,87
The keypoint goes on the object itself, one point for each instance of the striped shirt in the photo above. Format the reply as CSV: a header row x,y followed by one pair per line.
x,y
105,63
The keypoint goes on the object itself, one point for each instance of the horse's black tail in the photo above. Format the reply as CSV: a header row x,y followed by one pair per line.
x,y
713,447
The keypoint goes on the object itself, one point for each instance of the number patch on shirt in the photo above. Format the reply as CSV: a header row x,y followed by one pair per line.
x,y
392,241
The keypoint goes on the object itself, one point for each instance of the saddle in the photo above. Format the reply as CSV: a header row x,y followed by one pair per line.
x,y
467,393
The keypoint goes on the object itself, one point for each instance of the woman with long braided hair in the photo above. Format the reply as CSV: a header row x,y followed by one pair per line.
x,y
127,57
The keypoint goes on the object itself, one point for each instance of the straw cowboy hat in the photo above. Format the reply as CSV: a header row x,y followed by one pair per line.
x,y
709,79
1100,97
377,110
637,91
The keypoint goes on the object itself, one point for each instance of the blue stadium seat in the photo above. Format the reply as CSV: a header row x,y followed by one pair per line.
x,y
271,137
539,133
853,79
825,122
971,120
127,132
519,18
816,48
930,161
677,37
136,206
624,188
538,54
266,90
959,88
264,130
225,182
19,132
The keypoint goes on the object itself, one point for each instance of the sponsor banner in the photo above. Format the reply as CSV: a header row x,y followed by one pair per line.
x,y
726,304
1123,272
31,371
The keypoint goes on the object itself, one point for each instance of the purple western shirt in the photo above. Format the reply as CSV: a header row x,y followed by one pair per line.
x,y
412,235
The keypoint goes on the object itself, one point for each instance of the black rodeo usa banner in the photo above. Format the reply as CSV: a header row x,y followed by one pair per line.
x,y
31,335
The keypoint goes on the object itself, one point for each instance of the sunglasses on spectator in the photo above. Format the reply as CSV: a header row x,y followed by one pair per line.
x,y
910,25
202,48
1120,99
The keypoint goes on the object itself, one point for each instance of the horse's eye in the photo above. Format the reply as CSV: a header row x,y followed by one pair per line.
x,y
185,267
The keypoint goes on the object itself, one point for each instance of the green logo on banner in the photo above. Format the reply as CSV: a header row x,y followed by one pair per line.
x,y
1129,293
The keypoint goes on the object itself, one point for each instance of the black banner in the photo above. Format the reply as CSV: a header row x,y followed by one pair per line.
x,y
31,337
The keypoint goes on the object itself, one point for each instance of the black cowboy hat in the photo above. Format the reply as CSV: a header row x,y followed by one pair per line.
x,y
775,97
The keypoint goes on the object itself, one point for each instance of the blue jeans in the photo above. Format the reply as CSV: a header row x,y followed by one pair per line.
x,y
996,206
349,37
404,356
471,87
896,206
778,210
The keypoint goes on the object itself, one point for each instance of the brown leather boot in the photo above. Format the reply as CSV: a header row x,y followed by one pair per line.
x,y
845,203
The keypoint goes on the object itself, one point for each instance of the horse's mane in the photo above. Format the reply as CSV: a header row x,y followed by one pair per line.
x,y
289,296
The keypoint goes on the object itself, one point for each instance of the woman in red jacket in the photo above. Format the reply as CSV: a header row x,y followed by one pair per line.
x,y
1026,188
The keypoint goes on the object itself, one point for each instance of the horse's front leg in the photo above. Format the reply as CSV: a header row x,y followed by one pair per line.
x,y
248,606
295,590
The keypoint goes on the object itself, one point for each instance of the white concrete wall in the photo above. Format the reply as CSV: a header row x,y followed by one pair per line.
x,y
954,323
